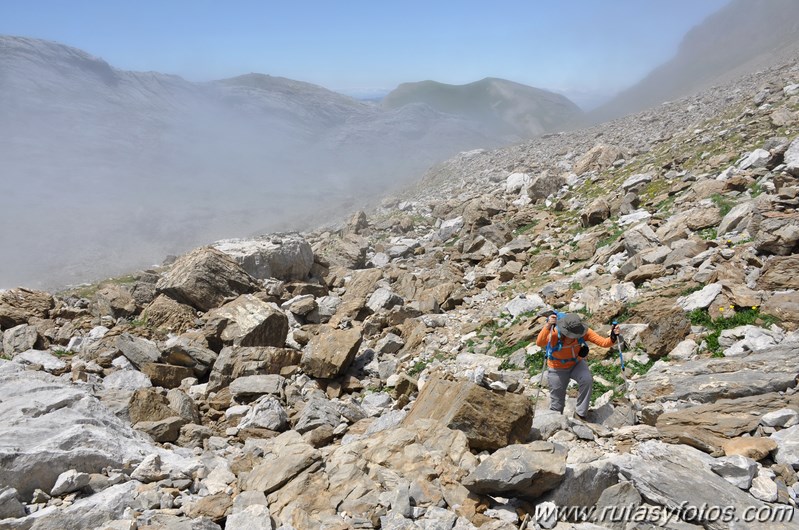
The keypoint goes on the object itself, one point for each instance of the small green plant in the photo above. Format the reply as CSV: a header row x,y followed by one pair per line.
x,y
756,189
526,228
724,204
60,352
417,368
612,238
739,317
576,286
140,322
708,234
609,372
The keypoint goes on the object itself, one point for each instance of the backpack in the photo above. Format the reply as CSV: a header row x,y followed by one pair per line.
x,y
551,349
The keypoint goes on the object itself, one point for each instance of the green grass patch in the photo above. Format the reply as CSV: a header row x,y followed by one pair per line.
x,y
708,234
526,228
724,204
60,352
610,239
417,368
741,317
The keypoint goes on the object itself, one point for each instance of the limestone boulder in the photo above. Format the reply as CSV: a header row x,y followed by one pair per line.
x,y
48,426
787,446
783,305
247,321
19,339
170,315
204,278
329,353
678,476
288,455
489,419
166,375
114,301
667,326
595,213
353,301
707,380
137,350
738,470
257,385
18,306
597,158
792,158
523,470
708,427
584,483
780,273
234,362
776,232
285,257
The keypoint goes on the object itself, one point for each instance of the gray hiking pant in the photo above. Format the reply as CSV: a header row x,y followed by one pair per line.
x,y
558,381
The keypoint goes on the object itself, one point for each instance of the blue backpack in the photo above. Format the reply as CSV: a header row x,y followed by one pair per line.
x,y
557,347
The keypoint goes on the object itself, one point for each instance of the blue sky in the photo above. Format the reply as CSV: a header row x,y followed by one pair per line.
x,y
583,48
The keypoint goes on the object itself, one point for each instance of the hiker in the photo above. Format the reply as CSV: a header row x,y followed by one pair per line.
x,y
564,337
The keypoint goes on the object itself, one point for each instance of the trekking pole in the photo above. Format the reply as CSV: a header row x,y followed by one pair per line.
x,y
621,358
541,380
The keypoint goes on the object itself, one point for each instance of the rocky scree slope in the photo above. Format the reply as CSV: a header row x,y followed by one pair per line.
x,y
380,373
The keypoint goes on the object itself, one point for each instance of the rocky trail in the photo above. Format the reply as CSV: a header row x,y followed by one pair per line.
x,y
381,372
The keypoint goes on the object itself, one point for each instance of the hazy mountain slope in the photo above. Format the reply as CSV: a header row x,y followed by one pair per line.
x,y
105,169
509,109
739,38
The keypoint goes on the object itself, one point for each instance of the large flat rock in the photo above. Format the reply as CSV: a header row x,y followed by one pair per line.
x,y
707,380
489,419
48,426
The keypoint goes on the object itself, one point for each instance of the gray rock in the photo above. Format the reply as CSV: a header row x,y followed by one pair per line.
x,y
763,488
149,470
48,426
583,484
256,385
449,228
316,413
375,403
285,257
707,380
782,418
254,517
95,511
737,218
390,343
19,339
738,470
48,361
328,305
248,321
792,157
114,301
787,446
527,470
640,238
678,477
126,380
10,507
69,481
636,180
266,413
289,456
524,303
383,299
137,350
183,405
756,159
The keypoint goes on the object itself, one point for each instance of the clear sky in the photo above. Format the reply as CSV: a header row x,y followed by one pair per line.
x,y
583,48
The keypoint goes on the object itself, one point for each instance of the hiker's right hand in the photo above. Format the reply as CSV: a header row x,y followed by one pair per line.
x,y
552,320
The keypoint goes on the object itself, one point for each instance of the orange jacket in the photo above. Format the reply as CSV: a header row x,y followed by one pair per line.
x,y
566,357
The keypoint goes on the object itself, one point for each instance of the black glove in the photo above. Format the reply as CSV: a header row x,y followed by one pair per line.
x,y
583,350
613,337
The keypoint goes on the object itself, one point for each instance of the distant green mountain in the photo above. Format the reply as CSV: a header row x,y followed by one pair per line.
x,y
504,107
